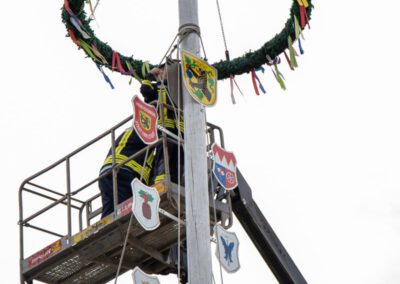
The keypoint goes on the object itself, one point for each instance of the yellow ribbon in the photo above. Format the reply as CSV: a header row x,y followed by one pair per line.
x,y
291,52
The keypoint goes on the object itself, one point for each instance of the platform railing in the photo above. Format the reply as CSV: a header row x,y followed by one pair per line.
x,y
68,197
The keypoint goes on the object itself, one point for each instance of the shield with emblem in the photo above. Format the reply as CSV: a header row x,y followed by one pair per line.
x,y
200,79
224,167
145,121
227,249
146,202
139,277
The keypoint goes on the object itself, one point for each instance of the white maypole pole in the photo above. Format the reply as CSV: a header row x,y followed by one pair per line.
x,y
196,189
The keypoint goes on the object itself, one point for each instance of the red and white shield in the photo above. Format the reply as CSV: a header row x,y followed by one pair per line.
x,y
224,167
145,120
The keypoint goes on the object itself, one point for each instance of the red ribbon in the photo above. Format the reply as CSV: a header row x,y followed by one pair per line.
x,y
288,60
304,17
73,37
253,78
117,60
66,5
303,14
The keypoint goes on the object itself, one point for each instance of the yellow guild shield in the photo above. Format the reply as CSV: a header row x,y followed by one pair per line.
x,y
200,79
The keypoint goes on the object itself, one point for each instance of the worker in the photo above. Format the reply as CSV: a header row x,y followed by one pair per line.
x,y
129,143
151,88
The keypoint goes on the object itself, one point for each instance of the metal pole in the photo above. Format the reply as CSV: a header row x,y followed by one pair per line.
x,y
196,190
69,201
21,236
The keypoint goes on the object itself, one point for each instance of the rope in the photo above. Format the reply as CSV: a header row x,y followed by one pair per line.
x,y
222,25
130,224
95,6
169,48
215,218
179,171
177,114
187,29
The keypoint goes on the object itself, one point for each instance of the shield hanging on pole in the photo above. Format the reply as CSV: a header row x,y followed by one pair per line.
x,y
224,168
227,249
146,202
200,79
139,277
145,121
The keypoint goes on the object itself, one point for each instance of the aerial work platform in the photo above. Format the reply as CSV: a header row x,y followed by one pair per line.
x,y
92,254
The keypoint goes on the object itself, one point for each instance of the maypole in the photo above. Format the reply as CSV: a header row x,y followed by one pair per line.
x,y
196,193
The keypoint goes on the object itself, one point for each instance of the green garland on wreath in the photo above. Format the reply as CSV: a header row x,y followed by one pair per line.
x,y
78,27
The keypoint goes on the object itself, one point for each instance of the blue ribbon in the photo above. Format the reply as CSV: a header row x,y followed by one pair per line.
x,y
258,80
105,76
300,47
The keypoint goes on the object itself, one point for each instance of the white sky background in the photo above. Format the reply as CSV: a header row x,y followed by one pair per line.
x,y
322,158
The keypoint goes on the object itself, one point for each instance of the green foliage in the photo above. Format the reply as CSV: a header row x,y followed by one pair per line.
x,y
237,66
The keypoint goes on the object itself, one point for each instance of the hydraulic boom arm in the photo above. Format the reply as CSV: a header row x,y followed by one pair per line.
x,y
262,235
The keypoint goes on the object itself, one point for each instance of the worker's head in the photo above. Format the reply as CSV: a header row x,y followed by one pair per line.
x,y
163,72
159,72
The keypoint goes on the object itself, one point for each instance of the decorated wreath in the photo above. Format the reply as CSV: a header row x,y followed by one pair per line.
x,y
79,30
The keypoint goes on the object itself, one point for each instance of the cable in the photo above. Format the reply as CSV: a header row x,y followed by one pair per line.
x,y
130,223
169,48
215,218
179,170
222,27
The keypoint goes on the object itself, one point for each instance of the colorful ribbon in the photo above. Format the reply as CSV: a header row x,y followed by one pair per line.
x,y
292,53
303,4
145,68
99,55
231,78
105,76
88,50
300,47
277,74
132,72
253,79
78,25
73,37
260,85
91,10
116,62
288,60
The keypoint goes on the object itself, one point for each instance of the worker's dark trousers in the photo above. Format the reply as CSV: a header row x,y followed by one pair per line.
x,y
124,179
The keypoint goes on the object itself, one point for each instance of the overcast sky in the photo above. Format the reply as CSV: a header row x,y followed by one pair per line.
x,y
322,158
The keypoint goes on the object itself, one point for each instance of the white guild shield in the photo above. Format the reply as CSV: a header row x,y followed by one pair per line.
x,y
227,249
146,202
139,277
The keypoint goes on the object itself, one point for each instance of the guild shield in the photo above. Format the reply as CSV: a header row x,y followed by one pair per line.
x,y
146,202
200,79
139,277
145,121
224,167
227,249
